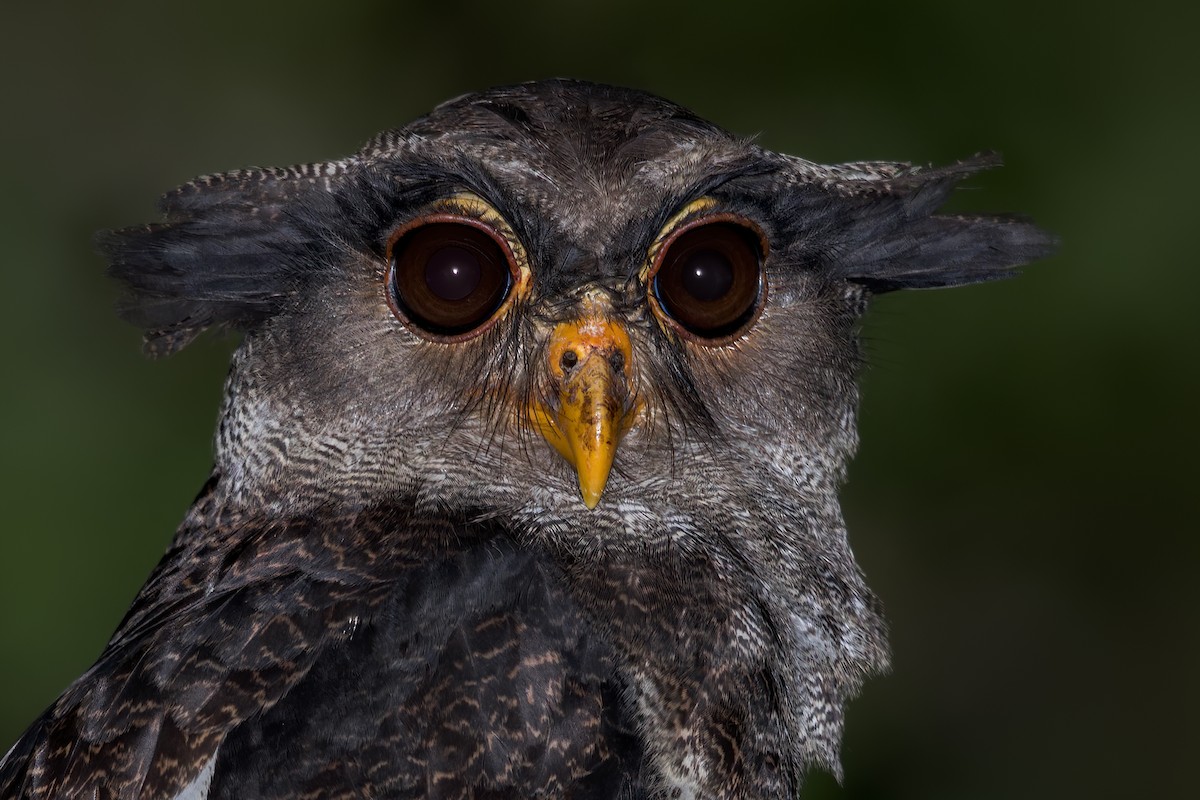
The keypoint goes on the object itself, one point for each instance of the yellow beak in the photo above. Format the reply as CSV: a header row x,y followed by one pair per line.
x,y
592,404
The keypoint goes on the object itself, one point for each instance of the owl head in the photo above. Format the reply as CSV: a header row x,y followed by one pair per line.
x,y
554,299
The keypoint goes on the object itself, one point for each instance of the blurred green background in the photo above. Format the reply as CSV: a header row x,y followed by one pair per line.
x,y
1023,501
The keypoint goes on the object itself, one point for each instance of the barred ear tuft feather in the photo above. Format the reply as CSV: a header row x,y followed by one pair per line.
x,y
229,254
899,242
875,224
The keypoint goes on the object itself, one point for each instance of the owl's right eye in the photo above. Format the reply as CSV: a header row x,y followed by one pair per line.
x,y
448,275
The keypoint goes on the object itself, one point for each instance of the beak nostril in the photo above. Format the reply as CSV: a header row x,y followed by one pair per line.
x,y
569,359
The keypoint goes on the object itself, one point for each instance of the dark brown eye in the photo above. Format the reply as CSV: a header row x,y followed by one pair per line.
x,y
708,276
449,274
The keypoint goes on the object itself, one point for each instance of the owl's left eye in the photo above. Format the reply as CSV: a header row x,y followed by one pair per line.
x,y
707,277
448,275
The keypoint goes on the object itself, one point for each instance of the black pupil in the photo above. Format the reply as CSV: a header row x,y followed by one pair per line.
x,y
452,273
707,276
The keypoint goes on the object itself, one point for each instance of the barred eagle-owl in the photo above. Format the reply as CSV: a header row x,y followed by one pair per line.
x,y
526,473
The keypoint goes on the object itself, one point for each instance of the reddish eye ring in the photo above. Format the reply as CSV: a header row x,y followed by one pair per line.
x,y
707,278
449,275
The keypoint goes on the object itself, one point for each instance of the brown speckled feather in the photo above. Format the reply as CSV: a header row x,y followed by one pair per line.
x,y
329,656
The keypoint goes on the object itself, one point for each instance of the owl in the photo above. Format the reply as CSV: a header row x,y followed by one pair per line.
x,y
525,478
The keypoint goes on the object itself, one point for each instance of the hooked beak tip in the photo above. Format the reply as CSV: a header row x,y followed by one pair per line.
x,y
592,412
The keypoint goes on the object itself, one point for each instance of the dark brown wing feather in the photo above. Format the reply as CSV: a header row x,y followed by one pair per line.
x,y
332,657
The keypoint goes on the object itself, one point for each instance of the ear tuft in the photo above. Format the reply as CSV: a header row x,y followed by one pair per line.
x,y
230,254
890,237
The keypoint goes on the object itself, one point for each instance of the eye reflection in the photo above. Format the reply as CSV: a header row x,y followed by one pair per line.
x,y
707,276
452,273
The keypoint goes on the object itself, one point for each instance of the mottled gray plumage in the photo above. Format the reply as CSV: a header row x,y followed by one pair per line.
x,y
390,586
